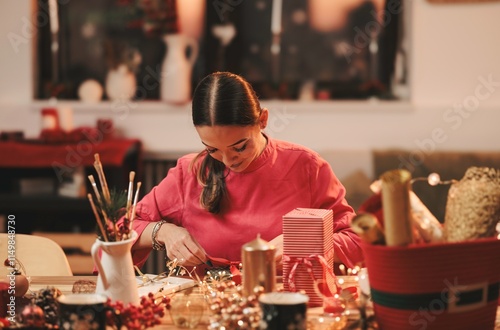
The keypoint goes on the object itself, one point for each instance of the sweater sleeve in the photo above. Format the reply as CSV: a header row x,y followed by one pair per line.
x,y
329,193
164,201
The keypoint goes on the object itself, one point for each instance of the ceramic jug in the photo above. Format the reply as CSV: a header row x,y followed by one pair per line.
x,y
177,67
121,84
116,278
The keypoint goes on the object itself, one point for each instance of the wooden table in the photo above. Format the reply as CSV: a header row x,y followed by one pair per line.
x,y
65,284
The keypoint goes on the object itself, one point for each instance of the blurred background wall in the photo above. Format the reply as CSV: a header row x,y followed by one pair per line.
x,y
453,51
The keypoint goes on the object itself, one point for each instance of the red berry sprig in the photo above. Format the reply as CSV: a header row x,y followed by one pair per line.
x,y
147,314
16,264
124,228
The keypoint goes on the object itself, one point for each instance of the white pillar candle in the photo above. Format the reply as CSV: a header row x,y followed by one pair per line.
x,y
330,15
276,16
53,14
49,122
191,17
65,118
50,119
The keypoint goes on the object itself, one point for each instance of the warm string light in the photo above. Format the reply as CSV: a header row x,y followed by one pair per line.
x,y
345,271
360,303
229,308
173,269
433,179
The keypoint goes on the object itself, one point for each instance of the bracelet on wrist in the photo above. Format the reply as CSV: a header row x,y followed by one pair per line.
x,y
157,245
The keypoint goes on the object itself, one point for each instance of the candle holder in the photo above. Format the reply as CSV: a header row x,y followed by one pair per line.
x,y
187,310
327,322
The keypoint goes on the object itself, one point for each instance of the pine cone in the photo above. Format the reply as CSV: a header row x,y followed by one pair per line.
x,y
47,300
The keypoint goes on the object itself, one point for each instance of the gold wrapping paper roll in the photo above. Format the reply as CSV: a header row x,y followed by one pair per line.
x,y
429,228
426,224
396,207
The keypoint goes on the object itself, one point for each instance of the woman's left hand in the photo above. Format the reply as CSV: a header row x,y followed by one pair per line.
x,y
278,244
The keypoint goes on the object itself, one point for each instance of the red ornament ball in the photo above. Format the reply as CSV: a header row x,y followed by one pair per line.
x,y
32,316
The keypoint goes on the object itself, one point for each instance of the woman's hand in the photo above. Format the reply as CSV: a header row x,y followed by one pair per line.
x,y
181,245
278,244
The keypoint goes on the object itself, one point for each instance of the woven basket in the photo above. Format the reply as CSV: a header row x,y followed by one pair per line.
x,y
435,286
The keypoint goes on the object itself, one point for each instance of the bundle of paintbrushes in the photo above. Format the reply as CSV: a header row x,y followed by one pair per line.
x,y
111,206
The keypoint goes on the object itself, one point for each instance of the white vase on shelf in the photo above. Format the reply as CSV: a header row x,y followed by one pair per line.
x,y
121,84
177,67
90,91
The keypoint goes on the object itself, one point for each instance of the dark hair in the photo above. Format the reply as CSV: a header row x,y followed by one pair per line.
x,y
220,99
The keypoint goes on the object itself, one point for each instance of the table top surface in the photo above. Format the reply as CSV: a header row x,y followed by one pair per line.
x,y
65,285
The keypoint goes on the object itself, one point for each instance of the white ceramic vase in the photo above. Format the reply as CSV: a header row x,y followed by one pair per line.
x,y
177,68
116,278
121,84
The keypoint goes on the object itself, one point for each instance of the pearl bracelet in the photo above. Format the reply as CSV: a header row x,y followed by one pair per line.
x,y
156,245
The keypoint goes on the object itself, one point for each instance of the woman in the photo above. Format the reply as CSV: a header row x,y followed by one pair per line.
x,y
239,186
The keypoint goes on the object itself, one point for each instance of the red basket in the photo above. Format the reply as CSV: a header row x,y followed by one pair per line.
x,y
435,286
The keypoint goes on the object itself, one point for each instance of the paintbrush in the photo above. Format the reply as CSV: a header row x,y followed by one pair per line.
x,y
98,218
102,178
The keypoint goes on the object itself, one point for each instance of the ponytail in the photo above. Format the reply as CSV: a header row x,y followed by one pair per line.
x,y
210,174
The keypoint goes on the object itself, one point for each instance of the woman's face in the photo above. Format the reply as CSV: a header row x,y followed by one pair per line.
x,y
235,146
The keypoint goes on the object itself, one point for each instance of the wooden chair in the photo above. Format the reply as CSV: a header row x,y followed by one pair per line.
x,y
77,247
39,255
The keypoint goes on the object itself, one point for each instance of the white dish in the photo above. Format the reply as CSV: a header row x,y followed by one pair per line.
x,y
164,285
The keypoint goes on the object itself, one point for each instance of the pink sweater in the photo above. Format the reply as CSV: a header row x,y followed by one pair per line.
x,y
284,177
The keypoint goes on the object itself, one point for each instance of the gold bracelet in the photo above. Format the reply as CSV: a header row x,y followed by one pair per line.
x,y
156,245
